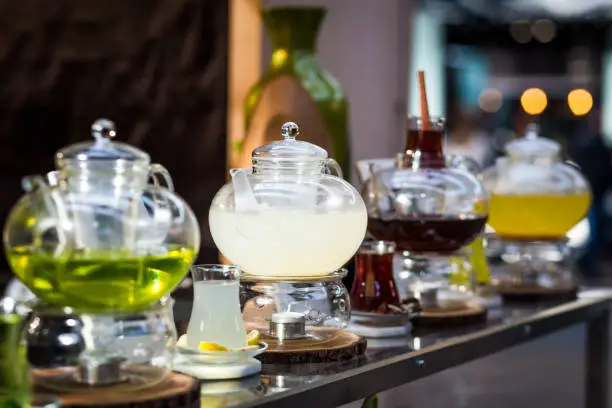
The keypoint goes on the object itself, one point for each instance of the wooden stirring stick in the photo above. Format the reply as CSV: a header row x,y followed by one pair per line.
x,y
425,124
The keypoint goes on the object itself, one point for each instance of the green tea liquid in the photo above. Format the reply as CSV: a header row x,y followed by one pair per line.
x,y
101,281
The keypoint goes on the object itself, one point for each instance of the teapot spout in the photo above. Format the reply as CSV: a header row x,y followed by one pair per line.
x,y
244,198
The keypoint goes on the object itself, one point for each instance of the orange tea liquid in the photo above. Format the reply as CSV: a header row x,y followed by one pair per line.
x,y
536,216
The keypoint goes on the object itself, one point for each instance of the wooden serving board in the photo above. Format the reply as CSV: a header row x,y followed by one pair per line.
x,y
177,391
524,293
456,316
321,345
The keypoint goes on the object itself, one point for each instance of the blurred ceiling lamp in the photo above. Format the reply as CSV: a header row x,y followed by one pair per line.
x,y
490,100
534,101
521,31
544,30
580,101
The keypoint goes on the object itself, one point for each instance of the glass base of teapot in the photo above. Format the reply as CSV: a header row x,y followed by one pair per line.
x,y
73,352
322,301
435,280
544,267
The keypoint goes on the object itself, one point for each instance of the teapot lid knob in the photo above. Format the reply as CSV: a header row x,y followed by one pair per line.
x,y
289,147
290,130
103,129
532,131
532,144
103,151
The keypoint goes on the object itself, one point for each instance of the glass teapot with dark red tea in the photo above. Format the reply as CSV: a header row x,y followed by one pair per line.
x,y
423,205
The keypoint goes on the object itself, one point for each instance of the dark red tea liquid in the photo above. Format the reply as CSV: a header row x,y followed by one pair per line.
x,y
429,234
429,145
374,288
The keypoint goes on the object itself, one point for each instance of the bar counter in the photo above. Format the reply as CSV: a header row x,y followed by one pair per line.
x,y
389,363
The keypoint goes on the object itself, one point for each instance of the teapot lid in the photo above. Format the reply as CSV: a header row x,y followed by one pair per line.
x,y
289,147
532,144
102,151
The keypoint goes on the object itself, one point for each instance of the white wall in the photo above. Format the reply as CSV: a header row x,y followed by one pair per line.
x,y
365,45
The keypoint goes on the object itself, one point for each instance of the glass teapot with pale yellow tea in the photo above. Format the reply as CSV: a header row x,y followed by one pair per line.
x,y
534,195
104,232
289,216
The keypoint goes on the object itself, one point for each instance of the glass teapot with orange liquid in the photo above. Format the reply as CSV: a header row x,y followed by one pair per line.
x,y
535,199
534,195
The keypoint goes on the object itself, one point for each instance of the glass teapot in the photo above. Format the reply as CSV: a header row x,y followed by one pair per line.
x,y
533,194
291,215
425,204
96,236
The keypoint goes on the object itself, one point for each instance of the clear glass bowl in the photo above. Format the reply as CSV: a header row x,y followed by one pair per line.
x,y
98,279
291,215
324,302
534,195
427,210
427,202
70,352
101,233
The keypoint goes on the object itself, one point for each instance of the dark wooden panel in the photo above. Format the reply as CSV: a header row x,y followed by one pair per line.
x,y
156,67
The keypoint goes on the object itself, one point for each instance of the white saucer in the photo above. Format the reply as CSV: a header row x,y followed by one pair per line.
x,y
217,357
238,369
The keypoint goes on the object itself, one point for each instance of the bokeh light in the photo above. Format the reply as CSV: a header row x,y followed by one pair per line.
x,y
534,101
521,31
490,100
544,30
580,101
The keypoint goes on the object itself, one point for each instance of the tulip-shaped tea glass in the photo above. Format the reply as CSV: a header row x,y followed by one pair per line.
x,y
216,316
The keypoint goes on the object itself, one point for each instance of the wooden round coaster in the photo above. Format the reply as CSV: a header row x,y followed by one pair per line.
x,y
442,318
525,293
177,390
321,345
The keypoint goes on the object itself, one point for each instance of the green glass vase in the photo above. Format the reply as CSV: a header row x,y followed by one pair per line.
x,y
296,88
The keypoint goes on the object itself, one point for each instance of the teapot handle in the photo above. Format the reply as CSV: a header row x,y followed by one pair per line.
x,y
332,166
160,176
54,207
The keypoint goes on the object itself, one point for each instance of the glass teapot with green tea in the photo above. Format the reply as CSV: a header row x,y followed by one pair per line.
x,y
101,233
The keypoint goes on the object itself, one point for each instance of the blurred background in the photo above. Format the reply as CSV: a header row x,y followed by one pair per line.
x,y
175,76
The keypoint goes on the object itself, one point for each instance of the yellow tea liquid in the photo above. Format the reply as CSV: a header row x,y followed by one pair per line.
x,y
461,275
536,216
101,281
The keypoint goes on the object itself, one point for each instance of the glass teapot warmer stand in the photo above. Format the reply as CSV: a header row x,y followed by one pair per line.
x,y
80,353
301,319
536,271
444,285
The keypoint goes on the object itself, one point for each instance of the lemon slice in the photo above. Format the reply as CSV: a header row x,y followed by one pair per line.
x,y
209,346
253,338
